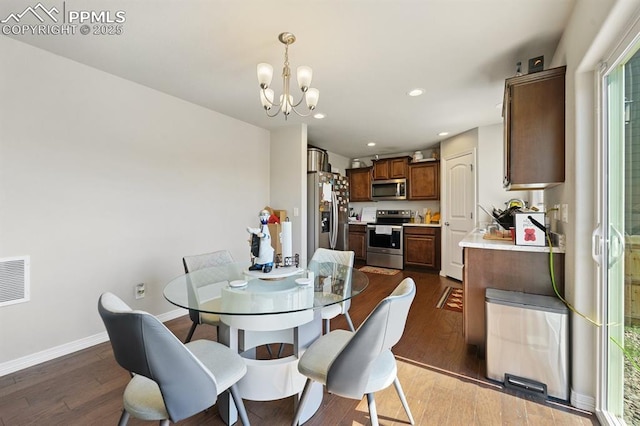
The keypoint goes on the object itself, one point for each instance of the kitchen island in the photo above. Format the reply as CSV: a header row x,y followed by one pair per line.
x,y
506,266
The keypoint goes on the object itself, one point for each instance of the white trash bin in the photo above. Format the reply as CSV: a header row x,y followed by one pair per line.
x,y
528,342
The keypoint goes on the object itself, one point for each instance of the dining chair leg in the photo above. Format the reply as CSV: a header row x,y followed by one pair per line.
x,y
303,399
349,322
373,413
403,399
124,418
242,412
269,350
165,422
191,330
327,326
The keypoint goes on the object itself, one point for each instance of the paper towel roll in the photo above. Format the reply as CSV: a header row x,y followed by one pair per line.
x,y
285,239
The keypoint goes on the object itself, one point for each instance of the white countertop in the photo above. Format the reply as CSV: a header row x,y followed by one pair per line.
x,y
474,240
426,225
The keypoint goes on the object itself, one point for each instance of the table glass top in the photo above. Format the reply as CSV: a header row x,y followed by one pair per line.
x,y
221,289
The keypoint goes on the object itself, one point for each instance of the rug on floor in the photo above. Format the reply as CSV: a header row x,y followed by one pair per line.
x,y
451,299
376,270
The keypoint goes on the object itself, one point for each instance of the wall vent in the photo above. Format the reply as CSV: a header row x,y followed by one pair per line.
x,y
14,280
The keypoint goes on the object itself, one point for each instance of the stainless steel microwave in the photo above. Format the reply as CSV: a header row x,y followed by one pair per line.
x,y
392,189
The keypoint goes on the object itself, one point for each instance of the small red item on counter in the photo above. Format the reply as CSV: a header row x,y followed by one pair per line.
x,y
273,219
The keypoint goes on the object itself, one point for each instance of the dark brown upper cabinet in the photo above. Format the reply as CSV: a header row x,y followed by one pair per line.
x,y
534,129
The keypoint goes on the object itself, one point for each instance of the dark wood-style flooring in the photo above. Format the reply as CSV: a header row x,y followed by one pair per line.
x,y
442,377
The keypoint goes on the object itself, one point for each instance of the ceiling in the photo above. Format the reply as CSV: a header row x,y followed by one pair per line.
x,y
365,54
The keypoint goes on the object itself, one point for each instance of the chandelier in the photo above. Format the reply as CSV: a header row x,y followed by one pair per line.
x,y
286,104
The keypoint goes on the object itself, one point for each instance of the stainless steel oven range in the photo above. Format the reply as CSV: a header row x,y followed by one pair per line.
x,y
384,238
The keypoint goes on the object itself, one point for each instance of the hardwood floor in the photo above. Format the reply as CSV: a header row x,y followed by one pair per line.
x,y
442,377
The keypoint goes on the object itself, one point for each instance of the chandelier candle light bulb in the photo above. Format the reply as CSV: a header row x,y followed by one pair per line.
x,y
304,75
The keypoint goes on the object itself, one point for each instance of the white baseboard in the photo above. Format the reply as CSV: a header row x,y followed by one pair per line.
x,y
583,402
168,316
68,348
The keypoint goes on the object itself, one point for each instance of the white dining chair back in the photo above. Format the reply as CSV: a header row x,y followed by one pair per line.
x,y
170,380
340,257
195,263
354,364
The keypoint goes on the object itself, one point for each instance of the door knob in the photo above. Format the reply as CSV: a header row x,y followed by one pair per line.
x,y
446,224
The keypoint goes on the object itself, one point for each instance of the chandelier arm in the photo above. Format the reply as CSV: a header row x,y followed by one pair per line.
x,y
302,115
274,114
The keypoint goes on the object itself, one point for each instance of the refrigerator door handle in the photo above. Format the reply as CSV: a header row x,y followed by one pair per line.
x,y
333,235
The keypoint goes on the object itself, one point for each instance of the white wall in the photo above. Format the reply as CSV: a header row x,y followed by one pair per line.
x,y
105,184
462,142
288,181
490,172
339,163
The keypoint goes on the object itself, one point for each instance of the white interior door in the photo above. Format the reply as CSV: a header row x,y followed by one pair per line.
x,y
458,207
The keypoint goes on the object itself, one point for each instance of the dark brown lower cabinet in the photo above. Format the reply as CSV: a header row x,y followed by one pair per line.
x,y
512,270
358,241
422,247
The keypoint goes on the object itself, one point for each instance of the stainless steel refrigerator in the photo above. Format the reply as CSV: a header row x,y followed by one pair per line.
x,y
328,211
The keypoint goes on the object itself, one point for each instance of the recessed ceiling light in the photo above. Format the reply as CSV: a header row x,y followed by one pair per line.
x,y
443,133
371,144
415,92
319,116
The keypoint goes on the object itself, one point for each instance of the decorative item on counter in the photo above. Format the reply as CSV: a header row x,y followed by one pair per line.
x,y
275,216
279,262
530,228
435,218
261,249
368,214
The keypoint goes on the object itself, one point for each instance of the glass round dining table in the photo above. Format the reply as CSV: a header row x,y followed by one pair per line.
x,y
233,290
257,309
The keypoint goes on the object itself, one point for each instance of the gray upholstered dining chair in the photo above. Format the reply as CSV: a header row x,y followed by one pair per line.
x,y
201,261
170,380
343,258
354,364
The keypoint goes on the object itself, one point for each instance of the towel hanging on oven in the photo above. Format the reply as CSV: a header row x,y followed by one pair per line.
x,y
384,230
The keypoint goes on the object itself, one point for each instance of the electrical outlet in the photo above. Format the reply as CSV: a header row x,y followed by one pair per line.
x,y
140,290
564,213
556,212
